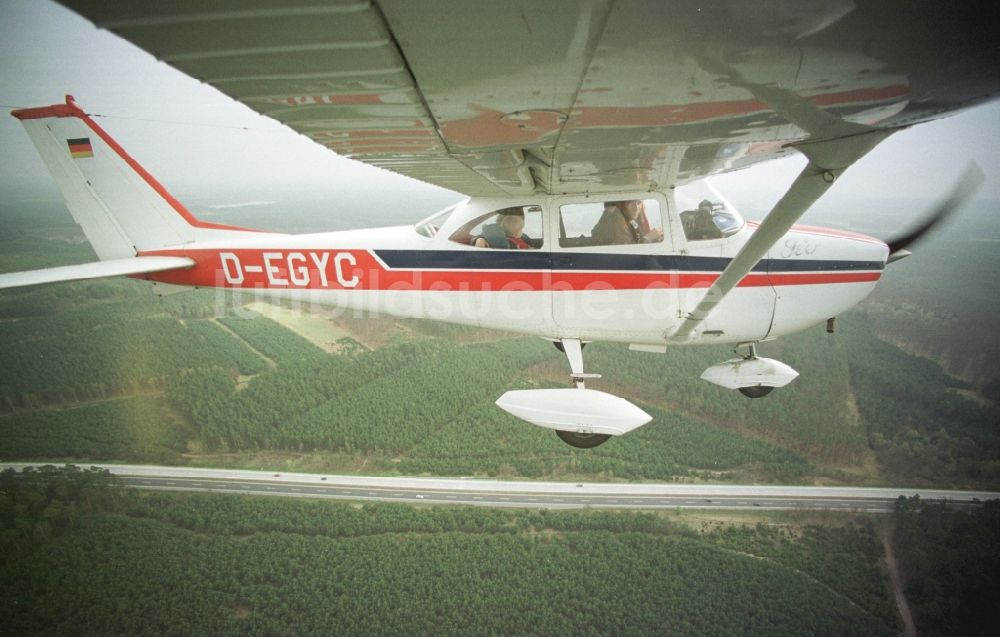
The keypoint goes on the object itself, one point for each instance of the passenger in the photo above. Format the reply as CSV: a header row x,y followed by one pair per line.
x,y
506,233
698,224
625,222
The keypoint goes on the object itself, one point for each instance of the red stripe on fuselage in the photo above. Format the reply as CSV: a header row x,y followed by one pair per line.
x,y
284,269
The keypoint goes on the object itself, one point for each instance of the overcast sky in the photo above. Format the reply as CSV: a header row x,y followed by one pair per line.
x,y
193,138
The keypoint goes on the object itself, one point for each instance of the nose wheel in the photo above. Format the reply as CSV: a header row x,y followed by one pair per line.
x,y
753,376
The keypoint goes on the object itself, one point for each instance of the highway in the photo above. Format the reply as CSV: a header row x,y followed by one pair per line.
x,y
548,495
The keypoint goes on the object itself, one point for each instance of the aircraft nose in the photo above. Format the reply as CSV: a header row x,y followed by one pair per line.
x,y
858,247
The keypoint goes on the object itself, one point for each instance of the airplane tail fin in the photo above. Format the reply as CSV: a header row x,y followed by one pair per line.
x,y
122,209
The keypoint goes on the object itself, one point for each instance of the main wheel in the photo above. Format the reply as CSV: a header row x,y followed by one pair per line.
x,y
757,391
582,441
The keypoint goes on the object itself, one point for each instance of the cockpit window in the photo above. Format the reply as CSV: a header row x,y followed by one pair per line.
x,y
603,223
511,228
705,214
430,226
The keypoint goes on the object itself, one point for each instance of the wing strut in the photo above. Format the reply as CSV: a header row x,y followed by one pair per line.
x,y
827,160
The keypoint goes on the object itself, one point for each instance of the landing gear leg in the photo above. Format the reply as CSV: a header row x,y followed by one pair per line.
x,y
573,349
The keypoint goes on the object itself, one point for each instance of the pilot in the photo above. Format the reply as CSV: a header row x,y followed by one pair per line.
x,y
625,222
506,233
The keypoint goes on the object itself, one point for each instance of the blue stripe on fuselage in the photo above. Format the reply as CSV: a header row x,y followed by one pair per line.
x,y
587,261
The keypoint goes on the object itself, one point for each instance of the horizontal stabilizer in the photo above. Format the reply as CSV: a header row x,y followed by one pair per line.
x,y
115,267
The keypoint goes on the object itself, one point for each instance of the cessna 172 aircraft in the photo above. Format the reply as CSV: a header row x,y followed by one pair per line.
x,y
582,133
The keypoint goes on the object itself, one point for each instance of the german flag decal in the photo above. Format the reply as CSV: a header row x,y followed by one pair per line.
x,y
79,148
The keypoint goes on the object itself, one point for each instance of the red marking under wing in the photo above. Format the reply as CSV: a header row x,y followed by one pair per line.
x,y
313,100
667,114
490,127
207,272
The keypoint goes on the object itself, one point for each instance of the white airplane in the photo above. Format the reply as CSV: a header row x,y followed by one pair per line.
x,y
582,132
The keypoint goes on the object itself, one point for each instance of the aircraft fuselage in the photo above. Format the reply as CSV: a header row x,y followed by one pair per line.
x,y
626,293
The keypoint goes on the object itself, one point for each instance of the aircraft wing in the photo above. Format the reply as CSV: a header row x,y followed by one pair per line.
x,y
505,97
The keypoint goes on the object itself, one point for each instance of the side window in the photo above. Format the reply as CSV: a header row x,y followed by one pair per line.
x,y
710,220
705,214
618,222
513,228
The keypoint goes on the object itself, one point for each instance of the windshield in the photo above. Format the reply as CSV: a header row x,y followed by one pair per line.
x,y
706,214
430,226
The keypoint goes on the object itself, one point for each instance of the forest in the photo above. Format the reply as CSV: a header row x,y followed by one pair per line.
x,y
950,562
84,556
